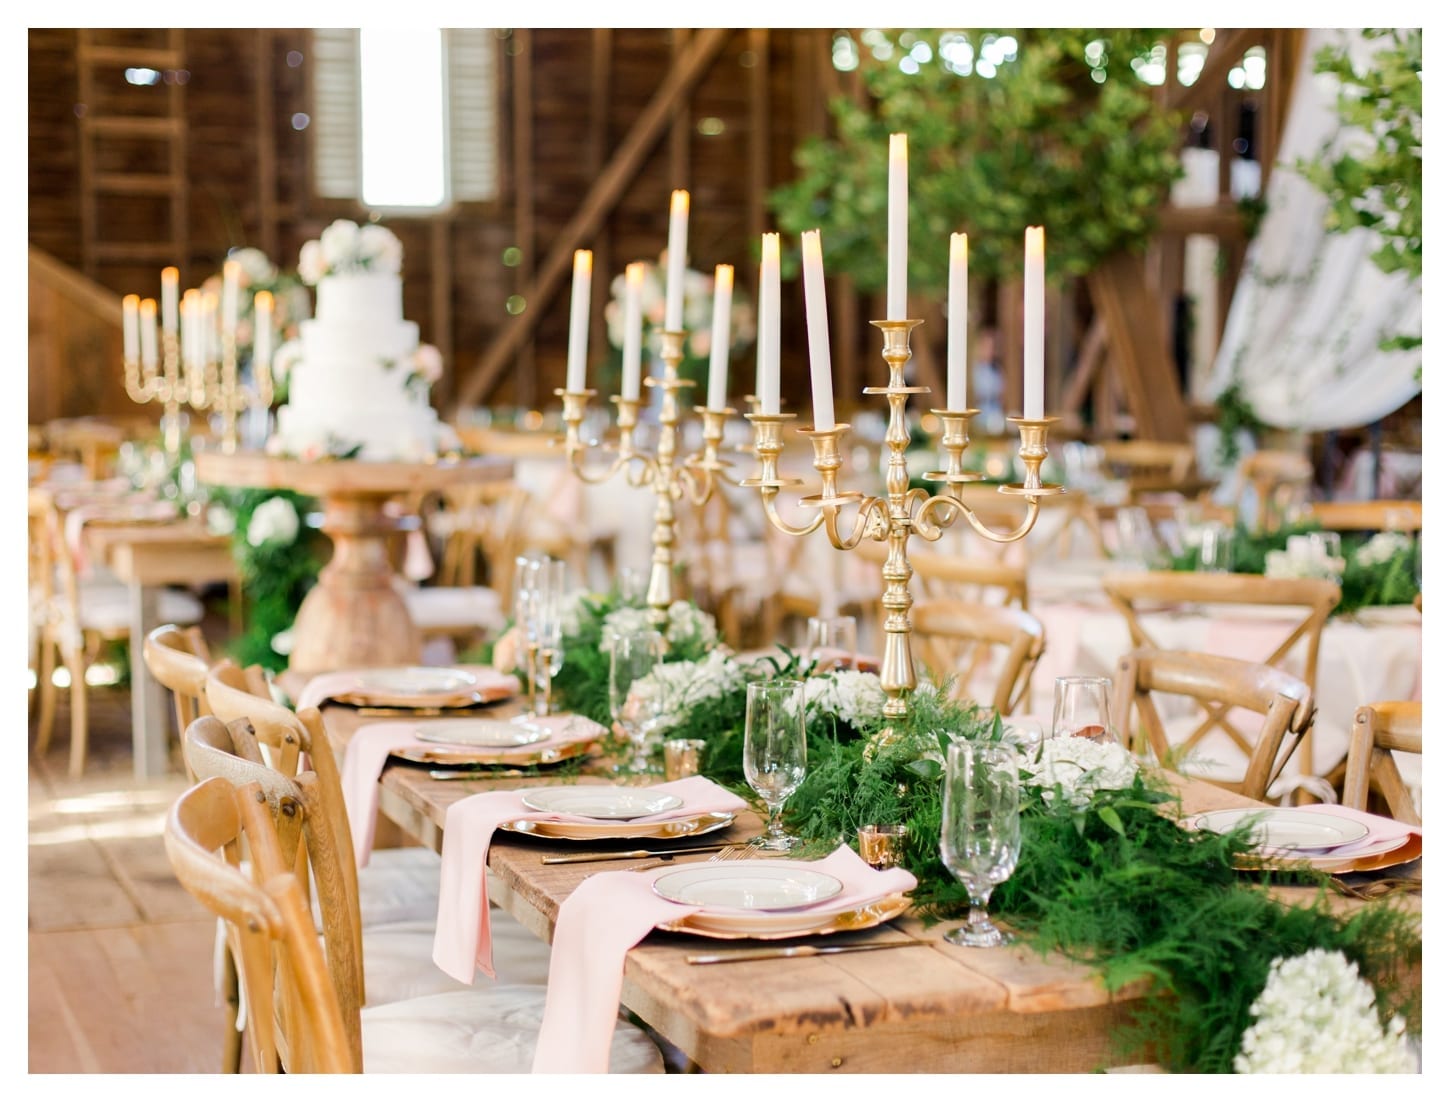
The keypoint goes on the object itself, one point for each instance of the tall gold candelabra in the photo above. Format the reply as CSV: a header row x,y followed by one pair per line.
x,y
904,511
669,477
216,386
150,382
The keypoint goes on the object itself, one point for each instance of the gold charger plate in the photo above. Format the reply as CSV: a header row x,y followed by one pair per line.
x,y
689,826
434,687
1370,862
535,754
774,926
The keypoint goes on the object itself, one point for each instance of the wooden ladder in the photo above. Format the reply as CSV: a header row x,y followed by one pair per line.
x,y
132,155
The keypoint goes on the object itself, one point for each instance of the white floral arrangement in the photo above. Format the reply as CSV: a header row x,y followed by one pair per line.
x,y
697,312
1303,558
1078,768
1381,548
686,625
345,247
273,521
1316,1015
677,687
852,697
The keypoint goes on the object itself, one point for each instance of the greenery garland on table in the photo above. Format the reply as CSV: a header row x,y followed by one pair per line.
x,y
1377,570
274,552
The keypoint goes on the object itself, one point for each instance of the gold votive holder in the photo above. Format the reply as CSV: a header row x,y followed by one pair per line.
x,y
682,757
883,846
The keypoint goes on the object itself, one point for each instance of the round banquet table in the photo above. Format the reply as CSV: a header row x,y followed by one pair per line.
x,y
354,616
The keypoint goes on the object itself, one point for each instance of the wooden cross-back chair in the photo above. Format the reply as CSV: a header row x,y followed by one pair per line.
x,y
1278,480
962,638
178,657
1149,464
1384,515
296,1023
967,578
1284,704
1380,729
1307,602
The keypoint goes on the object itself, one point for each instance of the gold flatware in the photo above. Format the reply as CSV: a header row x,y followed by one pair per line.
x,y
802,951
578,858
475,774
375,710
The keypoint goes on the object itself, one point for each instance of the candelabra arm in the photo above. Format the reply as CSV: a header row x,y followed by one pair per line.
x,y
923,525
872,521
772,514
575,446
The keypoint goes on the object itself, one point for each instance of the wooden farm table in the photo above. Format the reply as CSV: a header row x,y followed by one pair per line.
x,y
148,557
354,616
933,1008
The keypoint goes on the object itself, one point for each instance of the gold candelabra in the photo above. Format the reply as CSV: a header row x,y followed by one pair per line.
x,y
669,477
215,385
148,381
904,511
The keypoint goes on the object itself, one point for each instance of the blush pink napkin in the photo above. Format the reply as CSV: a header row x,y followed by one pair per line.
x,y
608,915
1382,830
461,940
368,750
325,686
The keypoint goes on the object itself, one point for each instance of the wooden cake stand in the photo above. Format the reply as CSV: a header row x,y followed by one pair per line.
x,y
354,616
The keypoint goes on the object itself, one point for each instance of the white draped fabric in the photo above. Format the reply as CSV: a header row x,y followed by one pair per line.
x,y
1303,331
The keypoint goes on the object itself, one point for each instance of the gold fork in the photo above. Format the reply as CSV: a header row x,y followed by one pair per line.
x,y
736,852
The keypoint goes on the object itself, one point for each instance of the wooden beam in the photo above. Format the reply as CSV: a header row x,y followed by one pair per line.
x,y
266,146
600,81
525,230
1226,52
607,189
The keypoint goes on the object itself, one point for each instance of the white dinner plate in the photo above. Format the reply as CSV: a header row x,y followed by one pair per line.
x,y
775,925
482,732
415,681
688,826
747,886
1286,828
601,802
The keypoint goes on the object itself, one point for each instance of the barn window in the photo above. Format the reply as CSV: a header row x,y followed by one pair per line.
x,y
405,120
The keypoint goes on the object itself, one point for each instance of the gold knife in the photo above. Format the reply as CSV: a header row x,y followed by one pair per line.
x,y
803,951
578,858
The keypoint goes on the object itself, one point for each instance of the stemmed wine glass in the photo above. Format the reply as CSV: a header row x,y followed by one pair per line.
x,y
546,607
633,655
981,831
1080,709
526,575
831,642
775,751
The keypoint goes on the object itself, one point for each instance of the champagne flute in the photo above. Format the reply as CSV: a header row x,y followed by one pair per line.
x,y
633,655
775,751
1080,709
981,831
547,629
525,581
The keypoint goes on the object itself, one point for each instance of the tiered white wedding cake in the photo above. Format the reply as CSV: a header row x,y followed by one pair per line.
x,y
357,378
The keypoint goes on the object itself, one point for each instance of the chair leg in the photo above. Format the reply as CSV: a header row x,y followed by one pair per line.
x,y
231,1035
45,724
79,708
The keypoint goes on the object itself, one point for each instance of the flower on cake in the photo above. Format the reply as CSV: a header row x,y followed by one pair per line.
x,y
347,247
291,304
1316,1015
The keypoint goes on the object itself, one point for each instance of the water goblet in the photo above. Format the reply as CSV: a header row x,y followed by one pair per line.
x,y
775,751
1023,734
633,584
981,831
1080,709
525,583
632,656
831,642
1215,548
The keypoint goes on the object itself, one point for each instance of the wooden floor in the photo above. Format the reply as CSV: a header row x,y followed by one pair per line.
x,y
120,956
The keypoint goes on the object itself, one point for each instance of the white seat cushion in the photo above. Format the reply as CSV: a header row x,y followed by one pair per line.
x,y
398,959
436,608
107,608
493,1029
399,884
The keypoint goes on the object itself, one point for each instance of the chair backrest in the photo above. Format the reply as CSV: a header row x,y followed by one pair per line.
x,y
1367,516
963,638
962,577
1277,478
1160,462
488,521
314,837
1379,729
179,658
1217,684
294,1021
1307,602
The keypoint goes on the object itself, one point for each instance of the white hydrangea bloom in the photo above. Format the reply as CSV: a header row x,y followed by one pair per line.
x,y
678,687
379,250
1081,767
1381,548
219,520
273,521
685,624
850,696
1316,1015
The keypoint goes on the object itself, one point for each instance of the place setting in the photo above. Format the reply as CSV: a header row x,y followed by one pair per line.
x,y
1325,837
410,690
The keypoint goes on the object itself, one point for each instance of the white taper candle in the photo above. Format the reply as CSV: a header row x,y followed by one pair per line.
x,y
579,319
720,335
1033,325
896,230
148,332
169,288
262,329
675,258
231,295
957,324
767,348
633,333
818,339
131,327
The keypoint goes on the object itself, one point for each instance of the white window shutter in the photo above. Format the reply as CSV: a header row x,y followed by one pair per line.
x,y
336,114
472,113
